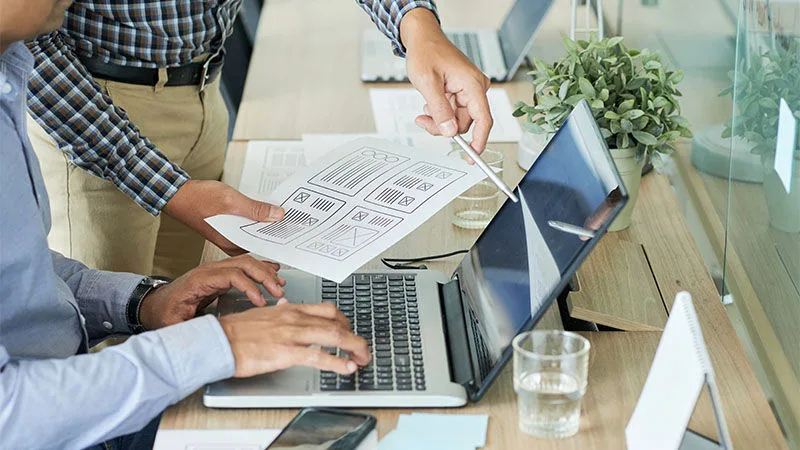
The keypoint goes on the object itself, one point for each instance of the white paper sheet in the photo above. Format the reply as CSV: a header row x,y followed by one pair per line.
x,y
356,202
786,145
680,369
318,145
231,440
396,109
267,164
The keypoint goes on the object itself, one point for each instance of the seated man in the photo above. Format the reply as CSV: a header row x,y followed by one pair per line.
x,y
53,394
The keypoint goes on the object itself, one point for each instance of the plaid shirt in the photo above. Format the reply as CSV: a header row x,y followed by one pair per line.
x,y
98,136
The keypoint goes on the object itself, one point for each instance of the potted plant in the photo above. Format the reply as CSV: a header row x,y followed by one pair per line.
x,y
759,88
633,97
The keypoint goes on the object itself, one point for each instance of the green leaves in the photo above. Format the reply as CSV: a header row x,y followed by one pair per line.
x,y
632,94
633,114
614,41
586,88
563,90
680,121
570,45
644,138
759,84
625,106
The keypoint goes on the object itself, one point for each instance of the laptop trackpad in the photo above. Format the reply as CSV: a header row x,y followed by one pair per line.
x,y
297,380
300,288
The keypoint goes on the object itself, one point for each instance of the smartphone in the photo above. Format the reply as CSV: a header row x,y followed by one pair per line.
x,y
324,429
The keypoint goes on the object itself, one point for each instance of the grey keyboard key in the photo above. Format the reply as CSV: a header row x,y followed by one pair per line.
x,y
378,387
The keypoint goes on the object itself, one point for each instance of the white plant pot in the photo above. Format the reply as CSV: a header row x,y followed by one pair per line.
x,y
630,170
529,147
783,207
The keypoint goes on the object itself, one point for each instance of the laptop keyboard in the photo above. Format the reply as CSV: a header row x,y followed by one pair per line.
x,y
382,308
468,44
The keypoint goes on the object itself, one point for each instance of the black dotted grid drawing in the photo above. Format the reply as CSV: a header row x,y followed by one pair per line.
x,y
353,232
410,188
354,171
305,211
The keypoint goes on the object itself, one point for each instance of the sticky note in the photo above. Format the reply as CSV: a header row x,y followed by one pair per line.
x,y
472,427
437,432
786,145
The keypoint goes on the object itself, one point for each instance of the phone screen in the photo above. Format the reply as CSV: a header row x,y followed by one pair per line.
x,y
320,429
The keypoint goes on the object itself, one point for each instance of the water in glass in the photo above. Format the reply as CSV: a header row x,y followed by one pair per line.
x,y
549,404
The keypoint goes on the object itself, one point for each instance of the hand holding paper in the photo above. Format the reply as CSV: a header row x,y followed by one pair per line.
x,y
353,204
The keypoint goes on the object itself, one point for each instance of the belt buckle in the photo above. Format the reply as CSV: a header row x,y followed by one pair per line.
x,y
204,74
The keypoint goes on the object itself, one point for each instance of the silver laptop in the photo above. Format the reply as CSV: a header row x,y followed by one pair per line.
x,y
440,340
498,53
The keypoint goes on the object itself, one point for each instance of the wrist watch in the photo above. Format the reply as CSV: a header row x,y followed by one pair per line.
x,y
147,285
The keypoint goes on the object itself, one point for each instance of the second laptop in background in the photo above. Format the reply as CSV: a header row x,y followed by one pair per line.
x,y
497,52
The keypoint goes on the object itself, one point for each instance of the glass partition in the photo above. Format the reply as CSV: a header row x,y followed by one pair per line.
x,y
762,258
738,178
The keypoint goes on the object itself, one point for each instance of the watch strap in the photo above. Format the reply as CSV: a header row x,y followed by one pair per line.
x,y
134,306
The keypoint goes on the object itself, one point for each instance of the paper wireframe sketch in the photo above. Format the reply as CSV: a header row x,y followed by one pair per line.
x,y
353,204
395,110
318,145
267,164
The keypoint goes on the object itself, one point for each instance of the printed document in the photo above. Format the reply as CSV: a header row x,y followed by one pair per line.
x,y
396,109
351,205
267,164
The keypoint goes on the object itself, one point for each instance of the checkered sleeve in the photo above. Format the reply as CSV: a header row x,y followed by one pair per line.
x,y
387,15
96,135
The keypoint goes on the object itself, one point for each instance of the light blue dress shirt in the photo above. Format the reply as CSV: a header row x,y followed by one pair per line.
x,y
53,394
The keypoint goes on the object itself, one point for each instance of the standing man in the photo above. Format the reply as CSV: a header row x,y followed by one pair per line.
x,y
126,105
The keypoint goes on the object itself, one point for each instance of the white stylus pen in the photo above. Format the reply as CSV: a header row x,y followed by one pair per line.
x,y
571,229
485,167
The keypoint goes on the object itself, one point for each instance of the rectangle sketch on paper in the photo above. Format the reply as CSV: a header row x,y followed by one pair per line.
x,y
353,232
305,210
412,187
357,170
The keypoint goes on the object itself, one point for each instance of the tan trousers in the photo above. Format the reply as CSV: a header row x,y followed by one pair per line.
x,y
97,224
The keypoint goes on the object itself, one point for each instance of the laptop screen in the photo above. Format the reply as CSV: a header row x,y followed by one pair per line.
x,y
516,32
522,260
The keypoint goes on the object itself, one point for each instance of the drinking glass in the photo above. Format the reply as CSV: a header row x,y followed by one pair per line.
x,y
550,374
476,206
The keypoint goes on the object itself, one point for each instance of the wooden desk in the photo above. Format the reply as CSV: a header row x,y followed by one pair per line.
x,y
304,78
761,272
614,386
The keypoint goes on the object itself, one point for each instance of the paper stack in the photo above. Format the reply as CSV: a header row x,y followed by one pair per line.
x,y
437,432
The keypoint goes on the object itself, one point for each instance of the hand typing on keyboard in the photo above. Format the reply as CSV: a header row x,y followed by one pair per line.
x,y
278,337
454,89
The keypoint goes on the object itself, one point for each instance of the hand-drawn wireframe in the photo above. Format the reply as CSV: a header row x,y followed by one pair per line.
x,y
353,232
356,170
413,186
305,210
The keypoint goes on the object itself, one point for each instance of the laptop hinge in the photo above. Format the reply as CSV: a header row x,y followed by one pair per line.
x,y
455,333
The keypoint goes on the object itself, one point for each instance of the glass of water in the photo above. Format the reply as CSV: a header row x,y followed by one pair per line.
x,y
476,206
550,375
